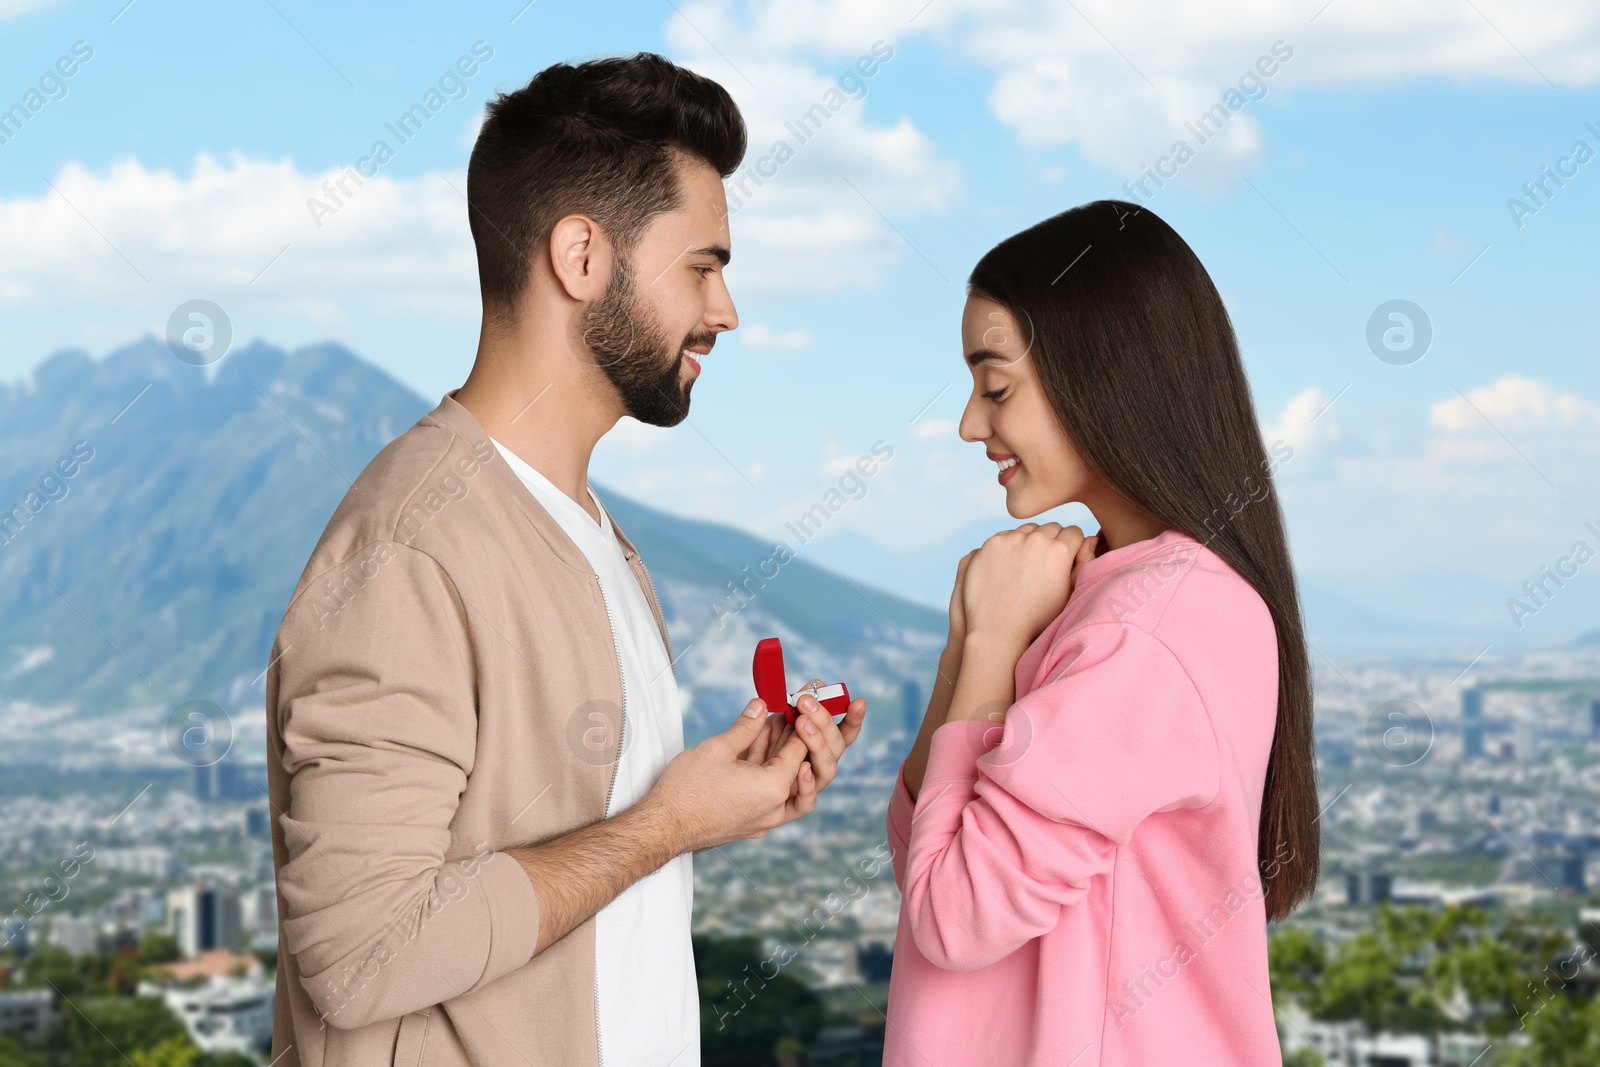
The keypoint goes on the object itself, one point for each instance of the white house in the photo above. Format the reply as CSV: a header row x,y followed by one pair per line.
x,y
224,1014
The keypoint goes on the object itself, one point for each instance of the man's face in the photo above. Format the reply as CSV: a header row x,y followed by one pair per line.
x,y
666,302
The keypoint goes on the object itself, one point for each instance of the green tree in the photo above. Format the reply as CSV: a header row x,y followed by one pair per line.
x,y
106,1033
158,948
1503,973
173,1052
1378,977
1296,959
746,1009
1565,1032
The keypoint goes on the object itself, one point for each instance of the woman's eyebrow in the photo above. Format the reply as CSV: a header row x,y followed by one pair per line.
x,y
983,355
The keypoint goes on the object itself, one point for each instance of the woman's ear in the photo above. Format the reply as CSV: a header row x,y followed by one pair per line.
x,y
580,258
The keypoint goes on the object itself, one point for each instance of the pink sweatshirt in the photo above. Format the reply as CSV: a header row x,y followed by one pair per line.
x,y
1080,887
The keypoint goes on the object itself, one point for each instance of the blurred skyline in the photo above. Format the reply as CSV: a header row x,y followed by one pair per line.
x,y
1382,159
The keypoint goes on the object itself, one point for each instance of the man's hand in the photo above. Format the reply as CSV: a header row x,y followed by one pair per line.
x,y
754,776
825,739
740,783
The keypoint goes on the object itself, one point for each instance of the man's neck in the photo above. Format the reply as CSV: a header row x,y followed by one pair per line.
x,y
536,399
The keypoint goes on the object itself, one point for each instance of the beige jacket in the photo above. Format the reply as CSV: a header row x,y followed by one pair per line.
x,y
444,685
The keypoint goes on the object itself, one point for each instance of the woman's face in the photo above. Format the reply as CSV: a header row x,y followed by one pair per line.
x,y
1009,413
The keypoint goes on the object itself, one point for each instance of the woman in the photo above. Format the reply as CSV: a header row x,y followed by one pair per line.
x,y
1113,790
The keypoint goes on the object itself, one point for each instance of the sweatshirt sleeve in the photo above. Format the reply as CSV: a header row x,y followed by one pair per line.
x,y
377,713
1006,835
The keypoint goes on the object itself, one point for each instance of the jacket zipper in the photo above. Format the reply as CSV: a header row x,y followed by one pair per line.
x,y
622,729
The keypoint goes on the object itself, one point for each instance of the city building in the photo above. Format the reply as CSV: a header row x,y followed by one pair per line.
x,y
1472,723
230,779
258,909
151,861
1572,871
75,934
224,1014
873,961
1370,887
202,918
26,1011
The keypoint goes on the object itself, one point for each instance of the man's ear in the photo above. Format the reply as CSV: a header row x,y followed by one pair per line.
x,y
580,258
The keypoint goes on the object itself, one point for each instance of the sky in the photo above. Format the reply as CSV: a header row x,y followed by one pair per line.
x,y
1383,158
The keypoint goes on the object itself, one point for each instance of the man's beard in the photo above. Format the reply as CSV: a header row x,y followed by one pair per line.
x,y
635,352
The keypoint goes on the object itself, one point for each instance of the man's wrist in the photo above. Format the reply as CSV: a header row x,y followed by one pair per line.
x,y
659,818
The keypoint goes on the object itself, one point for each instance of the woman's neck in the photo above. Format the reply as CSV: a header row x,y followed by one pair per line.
x,y
1123,524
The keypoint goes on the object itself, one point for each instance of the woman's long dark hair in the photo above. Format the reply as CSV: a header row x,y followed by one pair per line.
x,y
1139,361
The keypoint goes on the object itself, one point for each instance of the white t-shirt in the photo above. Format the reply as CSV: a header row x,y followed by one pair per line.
x,y
647,1000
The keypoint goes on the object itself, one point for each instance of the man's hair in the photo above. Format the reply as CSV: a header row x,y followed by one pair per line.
x,y
600,139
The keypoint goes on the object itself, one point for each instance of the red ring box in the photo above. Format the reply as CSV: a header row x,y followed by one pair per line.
x,y
773,688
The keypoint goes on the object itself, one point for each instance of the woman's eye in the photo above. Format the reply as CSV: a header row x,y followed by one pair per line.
x,y
993,394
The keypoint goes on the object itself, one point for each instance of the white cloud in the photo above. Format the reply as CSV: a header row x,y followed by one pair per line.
x,y
760,335
935,429
239,230
634,438
810,202
1514,403
12,8
1307,419
1120,80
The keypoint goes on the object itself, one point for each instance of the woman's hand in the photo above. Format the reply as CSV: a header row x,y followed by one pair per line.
x,y
1018,581
958,613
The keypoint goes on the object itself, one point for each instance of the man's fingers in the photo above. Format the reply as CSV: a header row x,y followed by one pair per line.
x,y
788,755
823,758
804,801
831,734
854,717
742,734
759,748
782,730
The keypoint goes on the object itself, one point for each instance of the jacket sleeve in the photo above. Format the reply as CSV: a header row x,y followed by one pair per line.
x,y
1012,824
376,709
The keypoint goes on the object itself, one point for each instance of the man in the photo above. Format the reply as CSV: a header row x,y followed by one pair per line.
x,y
484,809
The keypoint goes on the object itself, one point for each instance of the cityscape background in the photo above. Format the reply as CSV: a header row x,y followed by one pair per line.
x,y
1401,217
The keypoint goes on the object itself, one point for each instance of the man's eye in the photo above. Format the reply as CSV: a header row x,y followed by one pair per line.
x,y
705,270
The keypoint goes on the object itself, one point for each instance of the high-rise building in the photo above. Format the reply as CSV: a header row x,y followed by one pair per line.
x,y
230,779
1373,887
1572,863
203,918
77,934
1472,723
1594,719
874,960
257,822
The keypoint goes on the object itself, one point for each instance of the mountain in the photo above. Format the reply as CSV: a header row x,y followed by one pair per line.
x,y
160,515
